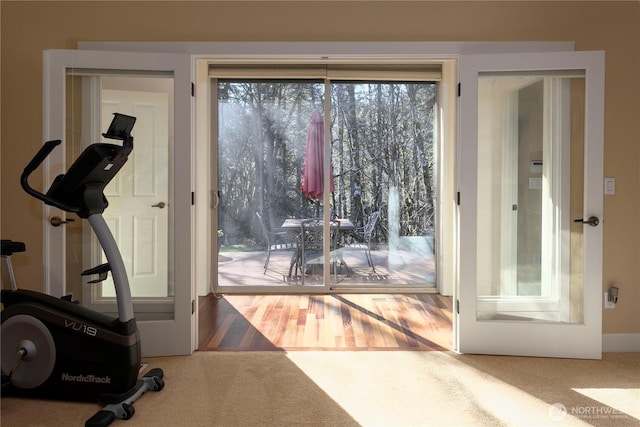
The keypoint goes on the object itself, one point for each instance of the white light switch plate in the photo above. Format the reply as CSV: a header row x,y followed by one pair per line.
x,y
609,186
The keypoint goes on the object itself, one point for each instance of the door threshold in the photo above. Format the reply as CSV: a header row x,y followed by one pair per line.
x,y
386,289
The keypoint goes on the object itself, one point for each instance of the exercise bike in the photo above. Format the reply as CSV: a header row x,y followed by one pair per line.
x,y
54,348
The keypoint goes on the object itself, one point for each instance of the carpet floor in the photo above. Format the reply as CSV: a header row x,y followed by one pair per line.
x,y
326,388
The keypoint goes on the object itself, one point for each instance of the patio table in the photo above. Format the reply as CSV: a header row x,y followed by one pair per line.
x,y
294,225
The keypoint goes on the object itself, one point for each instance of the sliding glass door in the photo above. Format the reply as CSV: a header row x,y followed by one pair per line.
x,y
384,158
356,154
261,140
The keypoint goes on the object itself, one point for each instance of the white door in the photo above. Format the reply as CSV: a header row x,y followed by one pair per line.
x,y
165,319
138,210
530,180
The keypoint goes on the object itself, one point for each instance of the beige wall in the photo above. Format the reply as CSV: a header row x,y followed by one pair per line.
x,y
29,27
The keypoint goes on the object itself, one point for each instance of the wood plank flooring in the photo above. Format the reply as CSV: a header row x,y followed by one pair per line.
x,y
325,322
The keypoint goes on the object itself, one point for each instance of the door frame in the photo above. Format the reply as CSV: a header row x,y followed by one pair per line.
x,y
232,51
444,88
160,337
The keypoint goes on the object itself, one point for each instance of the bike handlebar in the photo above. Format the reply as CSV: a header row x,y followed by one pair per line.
x,y
45,150
42,154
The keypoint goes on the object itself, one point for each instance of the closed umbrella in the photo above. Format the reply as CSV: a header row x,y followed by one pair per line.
x,y
312,182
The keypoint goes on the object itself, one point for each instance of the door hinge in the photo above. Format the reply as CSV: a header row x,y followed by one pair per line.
x,y
193,306
458,198
459,88
193,198
458,306
193,90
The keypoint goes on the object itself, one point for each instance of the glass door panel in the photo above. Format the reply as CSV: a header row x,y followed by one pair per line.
x,y
384,160
270,142
530,151
139,208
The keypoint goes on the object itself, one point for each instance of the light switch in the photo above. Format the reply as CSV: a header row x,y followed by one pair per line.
x,y
535,183
609,186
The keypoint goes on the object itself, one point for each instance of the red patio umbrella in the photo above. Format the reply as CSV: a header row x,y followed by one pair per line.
x,y
312,180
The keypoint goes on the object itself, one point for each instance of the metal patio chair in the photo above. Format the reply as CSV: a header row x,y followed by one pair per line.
x,y
275,240
361,238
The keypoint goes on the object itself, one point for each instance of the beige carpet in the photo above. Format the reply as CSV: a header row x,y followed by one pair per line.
x,y
393,388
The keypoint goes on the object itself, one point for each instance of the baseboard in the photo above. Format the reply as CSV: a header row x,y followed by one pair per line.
x,y
620,343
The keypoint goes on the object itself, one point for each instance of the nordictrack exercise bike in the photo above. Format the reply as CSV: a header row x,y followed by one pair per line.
x,y
54,348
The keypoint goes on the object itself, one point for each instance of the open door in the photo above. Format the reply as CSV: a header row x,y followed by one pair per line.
x,y
530,204
150,213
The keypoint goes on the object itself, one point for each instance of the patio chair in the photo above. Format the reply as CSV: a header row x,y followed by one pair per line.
x,y
275,240
361,238
311,247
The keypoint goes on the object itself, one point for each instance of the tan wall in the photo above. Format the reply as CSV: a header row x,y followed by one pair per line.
x,y
27,28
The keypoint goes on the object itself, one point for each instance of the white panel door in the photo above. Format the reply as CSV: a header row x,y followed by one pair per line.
x,y
167,323
530,180
138,195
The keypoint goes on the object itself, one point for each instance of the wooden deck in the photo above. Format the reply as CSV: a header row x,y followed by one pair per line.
x,y
325,322
239,269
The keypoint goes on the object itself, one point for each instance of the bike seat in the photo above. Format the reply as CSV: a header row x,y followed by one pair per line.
x,y
9,247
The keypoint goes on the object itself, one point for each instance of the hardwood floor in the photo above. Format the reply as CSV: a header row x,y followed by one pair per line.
x,y
325,322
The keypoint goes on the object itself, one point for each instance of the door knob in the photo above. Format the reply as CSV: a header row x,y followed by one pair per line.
x,y
592,221
56,221
160,205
